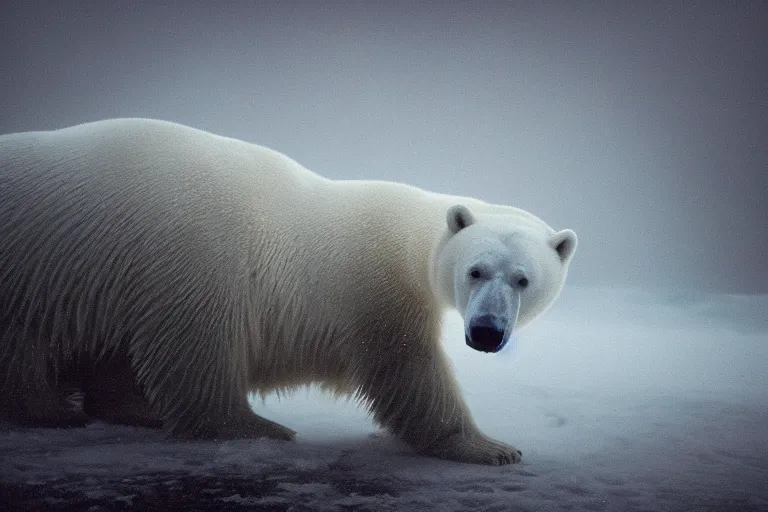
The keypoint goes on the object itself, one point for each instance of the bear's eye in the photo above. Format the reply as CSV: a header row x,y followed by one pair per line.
x,y
475,273
522,282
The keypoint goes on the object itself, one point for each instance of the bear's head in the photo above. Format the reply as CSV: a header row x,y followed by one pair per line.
x,y
499,271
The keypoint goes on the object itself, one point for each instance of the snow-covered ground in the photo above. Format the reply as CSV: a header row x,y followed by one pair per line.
x,y
619,399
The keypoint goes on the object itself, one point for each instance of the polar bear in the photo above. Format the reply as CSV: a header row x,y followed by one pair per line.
x,y
183,270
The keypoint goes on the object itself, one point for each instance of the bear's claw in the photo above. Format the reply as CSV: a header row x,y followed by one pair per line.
x,y
476,449
254,427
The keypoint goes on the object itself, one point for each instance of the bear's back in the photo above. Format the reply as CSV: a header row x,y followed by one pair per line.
x,y
106,205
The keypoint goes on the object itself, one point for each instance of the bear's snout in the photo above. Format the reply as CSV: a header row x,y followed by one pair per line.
x,y
486,333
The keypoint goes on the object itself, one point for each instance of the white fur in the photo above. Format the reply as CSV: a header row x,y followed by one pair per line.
x,y
218,268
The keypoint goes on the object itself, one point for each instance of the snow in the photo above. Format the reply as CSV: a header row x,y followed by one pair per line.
x,y
619,399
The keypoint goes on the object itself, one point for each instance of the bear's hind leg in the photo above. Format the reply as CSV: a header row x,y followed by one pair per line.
x,y
42,408
26,395
198,392
113,395
236,422
243,423
37,405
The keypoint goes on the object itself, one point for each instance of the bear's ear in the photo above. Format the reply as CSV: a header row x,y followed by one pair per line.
x,y
564,242
459,217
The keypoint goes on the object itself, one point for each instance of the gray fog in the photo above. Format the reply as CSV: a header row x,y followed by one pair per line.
x,y
643,126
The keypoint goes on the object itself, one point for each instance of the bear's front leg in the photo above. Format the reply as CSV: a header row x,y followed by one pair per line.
x,y
412,393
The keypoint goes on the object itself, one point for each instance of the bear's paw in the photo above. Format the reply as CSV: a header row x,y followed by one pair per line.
x,y
476,448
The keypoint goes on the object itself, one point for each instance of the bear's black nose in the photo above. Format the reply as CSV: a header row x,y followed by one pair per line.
x,y
486,333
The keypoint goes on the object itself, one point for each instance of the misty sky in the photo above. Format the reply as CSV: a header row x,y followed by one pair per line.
x,y
643,127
